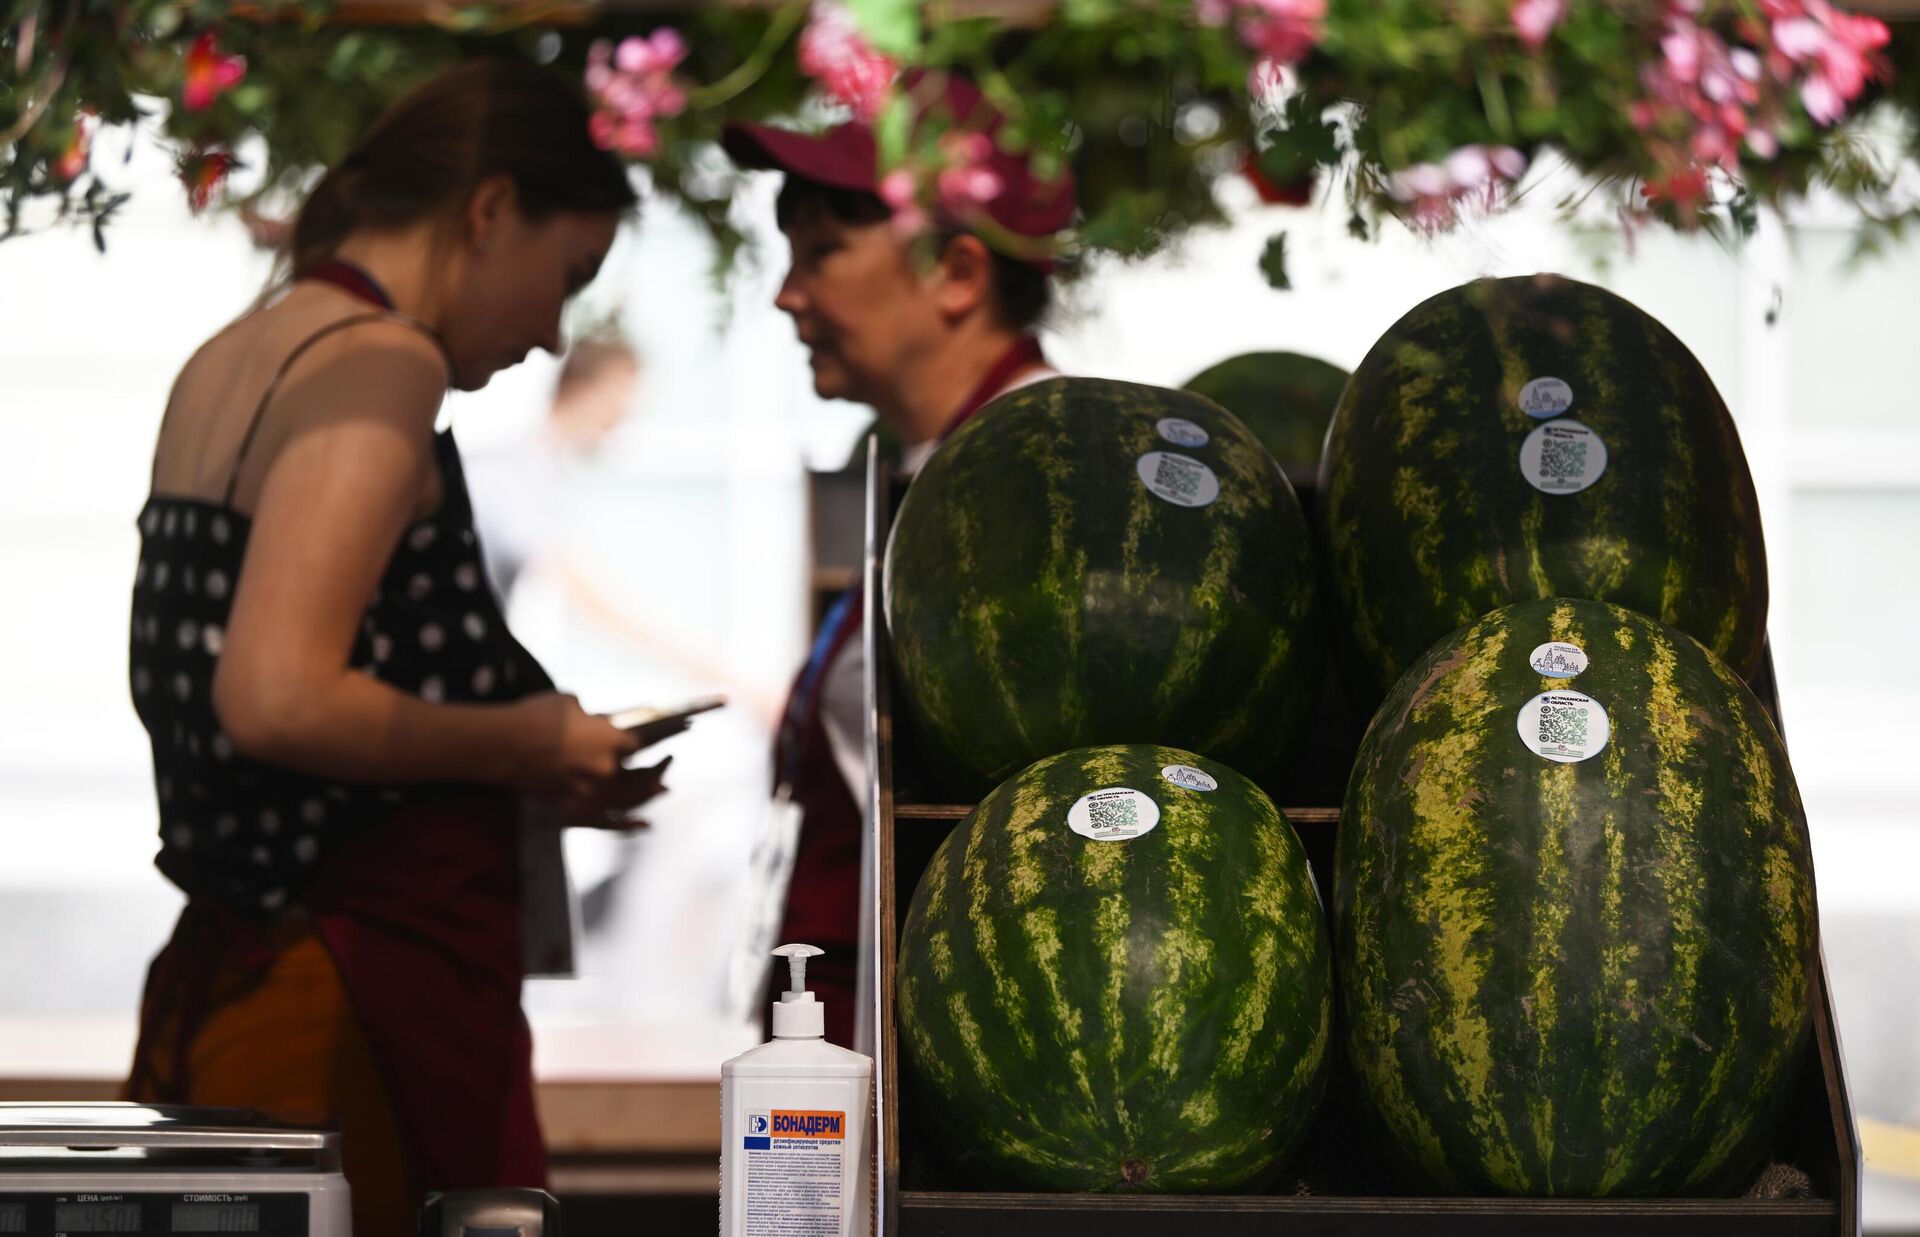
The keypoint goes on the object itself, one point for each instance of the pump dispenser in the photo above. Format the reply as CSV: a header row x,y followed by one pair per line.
x,y
795,1125
798,1014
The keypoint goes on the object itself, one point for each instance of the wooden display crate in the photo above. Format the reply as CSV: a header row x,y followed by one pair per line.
x,y
1347,1194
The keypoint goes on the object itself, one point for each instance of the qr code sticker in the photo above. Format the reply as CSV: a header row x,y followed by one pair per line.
x,y
1178,479
1565,726
1117,813
1562,460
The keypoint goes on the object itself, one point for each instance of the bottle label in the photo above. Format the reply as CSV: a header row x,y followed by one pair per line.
x,y
793,1161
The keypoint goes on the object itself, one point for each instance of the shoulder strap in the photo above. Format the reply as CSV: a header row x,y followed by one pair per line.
x,y
273,387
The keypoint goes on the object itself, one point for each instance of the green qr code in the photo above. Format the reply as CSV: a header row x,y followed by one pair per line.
x,y
1563,726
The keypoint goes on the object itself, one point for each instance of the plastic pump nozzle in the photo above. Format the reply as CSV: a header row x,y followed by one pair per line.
x,y
798,1014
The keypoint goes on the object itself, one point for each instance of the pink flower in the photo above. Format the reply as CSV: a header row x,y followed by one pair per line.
x,y
834,53
975,186
899,191
1280,31
1535,20
1474,175
660,52
208,74
632,89
1283,30
1270,82
1835,49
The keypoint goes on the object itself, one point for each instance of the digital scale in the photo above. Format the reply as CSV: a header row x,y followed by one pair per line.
x,y
131,1168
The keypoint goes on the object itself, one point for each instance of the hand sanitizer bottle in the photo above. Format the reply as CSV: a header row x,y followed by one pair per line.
x,y
795,1126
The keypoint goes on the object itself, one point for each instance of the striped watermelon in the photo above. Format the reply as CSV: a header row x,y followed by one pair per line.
x,y
1431,520
1148,1009
1100,562
1585,972
1285,398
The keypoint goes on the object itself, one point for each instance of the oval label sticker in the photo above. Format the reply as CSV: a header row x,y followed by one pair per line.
x,y
1562,457
1565,726
1181,432
1545,397
1116,814
1182,481
1189,777
1559,660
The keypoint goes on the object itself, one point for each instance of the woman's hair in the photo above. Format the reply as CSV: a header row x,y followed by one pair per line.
x,y
424,157
1021,293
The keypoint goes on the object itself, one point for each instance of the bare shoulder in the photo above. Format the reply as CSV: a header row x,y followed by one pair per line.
x,y
367,367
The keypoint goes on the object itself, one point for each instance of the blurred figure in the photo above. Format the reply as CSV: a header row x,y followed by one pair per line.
x,y
518,487
343,728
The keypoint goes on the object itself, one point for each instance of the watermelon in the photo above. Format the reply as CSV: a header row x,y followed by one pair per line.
x,y
1114,976
1516,439
1091,562
1573,911
1285,398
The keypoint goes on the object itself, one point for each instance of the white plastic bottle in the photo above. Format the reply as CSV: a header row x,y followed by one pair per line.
x,y
795,1126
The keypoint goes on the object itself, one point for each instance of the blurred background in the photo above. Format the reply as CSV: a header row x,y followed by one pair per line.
x,y
674,559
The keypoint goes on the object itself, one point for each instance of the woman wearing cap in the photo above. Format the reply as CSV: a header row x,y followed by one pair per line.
x,y
926,344
342,726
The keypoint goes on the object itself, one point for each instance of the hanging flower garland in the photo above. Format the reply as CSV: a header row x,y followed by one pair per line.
x,y
1690,112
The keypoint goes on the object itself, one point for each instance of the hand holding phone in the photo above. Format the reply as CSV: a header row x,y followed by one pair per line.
x,y
651,725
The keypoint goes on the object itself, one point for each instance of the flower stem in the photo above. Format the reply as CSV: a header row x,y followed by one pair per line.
x,y
755,66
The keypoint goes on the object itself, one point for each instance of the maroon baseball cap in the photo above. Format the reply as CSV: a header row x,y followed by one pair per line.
x,y
845,157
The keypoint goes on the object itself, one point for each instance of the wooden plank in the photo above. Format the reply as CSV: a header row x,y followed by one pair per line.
x,y
1317,816
886,1071
579,1117
1018,1215
58,1090
598,1118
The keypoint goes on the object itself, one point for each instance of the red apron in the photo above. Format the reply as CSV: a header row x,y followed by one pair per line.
x,y
823,894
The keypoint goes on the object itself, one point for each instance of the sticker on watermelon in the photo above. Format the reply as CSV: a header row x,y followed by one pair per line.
x,y
1115,814
1179,479
1546,397
1189,777
1562,457
1181,432
1556,659
1564,726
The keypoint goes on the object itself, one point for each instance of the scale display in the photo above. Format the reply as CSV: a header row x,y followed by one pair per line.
x,y
216,1217
96,1218
264,1214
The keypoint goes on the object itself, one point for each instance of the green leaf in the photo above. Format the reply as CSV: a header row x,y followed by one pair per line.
x,y
892,26
1273,262
893,130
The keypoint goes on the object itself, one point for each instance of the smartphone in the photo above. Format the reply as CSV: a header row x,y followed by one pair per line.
x,y
650,725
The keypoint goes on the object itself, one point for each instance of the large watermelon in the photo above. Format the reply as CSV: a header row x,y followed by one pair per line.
x,y
1285,398
1573,911
1515,439
1114,976
1099,562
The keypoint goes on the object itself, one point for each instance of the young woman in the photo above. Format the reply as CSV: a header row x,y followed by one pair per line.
x,y
926,344
342,726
